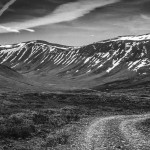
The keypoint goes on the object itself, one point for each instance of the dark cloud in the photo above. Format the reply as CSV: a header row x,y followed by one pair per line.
x,y
28,9
145,7
53,14
61,1
100,18
118,11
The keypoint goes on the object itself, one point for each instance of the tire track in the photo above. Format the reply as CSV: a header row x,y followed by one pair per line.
x,y
114,133
135,137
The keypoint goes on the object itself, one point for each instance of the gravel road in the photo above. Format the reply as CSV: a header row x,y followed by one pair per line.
x,y
114,133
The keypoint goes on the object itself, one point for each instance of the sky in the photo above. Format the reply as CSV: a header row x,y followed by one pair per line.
x,y
72,22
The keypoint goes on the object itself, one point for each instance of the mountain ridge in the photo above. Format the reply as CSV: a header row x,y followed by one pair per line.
x,y
99,63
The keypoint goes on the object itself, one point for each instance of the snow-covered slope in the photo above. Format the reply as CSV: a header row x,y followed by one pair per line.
x,y
30,54
135,38
102,62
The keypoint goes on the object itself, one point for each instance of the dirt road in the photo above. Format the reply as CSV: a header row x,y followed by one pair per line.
x,y
114,133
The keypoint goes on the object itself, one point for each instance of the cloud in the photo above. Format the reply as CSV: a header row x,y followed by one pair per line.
x,y
138,24
57,1
145,17
30,30
6,6
8,29
63,13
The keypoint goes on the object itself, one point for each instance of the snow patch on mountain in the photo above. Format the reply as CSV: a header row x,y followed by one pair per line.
x,y
133,38
128,52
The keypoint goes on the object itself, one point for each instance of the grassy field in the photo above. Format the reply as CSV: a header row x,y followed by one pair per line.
x,y
44,121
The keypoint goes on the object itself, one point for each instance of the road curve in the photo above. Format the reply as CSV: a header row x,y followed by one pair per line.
x,y
114,133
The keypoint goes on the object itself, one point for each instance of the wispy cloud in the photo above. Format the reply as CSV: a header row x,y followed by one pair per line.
x,y
145,17
6,6
64,13
8,29
30,30
139,24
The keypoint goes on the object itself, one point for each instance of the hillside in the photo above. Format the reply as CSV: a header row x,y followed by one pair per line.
x,y
120,60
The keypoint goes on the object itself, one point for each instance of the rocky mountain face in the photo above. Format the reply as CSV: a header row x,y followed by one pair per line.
x,y
118,60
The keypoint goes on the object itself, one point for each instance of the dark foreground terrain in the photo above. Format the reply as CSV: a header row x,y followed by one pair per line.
x,y
76,116
50,121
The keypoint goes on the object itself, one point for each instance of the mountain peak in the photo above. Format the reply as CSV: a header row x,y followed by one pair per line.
x,y
134,37
143,37
121,58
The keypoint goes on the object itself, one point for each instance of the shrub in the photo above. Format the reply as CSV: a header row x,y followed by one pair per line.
x,y
57,139
40,118
71,113
21,118
146,123
54,141
16,131
57,120
16,126
15,120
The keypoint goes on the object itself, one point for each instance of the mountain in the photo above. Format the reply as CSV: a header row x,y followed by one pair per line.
x,y
11,80
115,63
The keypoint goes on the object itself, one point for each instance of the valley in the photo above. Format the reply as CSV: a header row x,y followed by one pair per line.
x,y
124,60
56,97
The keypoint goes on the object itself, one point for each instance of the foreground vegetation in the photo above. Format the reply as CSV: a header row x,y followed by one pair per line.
x,y
44,121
